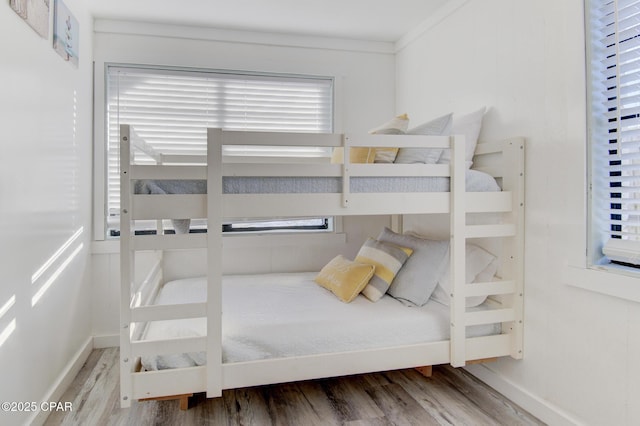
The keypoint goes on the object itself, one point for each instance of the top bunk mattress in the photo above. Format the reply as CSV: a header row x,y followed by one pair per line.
x,y
476,181
287,314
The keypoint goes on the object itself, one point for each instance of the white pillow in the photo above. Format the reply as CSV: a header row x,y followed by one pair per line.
x,y
468,125
396,126
481,267
440,126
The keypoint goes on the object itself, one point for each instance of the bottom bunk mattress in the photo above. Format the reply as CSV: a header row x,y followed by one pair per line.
x,y
282,315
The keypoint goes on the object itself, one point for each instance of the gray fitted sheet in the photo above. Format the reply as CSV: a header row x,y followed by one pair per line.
x,y
476,181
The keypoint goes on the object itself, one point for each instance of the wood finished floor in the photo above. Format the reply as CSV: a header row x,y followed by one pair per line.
x,y
404,397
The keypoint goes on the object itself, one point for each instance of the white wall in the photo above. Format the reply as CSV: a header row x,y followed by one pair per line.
x,y
45,198
365,98
525,60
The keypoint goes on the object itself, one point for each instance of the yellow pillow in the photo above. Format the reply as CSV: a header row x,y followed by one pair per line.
x,y
356,155
344,277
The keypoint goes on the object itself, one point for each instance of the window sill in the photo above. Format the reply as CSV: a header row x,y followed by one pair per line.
x,y
244,241
612,280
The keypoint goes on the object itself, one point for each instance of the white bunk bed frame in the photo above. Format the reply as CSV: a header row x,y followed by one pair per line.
x,y
503,160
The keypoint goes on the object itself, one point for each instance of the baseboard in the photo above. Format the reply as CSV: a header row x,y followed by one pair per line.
x,y
107,341
63,381
543,410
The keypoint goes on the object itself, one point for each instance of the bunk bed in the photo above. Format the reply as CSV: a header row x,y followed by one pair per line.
x,y
218,359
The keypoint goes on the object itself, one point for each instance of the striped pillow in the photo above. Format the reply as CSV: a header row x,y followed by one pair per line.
x,y
388,259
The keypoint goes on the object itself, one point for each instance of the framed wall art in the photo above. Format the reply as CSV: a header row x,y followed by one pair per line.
x,y
66,40
35,13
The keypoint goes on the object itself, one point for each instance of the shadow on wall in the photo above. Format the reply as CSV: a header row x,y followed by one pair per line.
x,y
41,280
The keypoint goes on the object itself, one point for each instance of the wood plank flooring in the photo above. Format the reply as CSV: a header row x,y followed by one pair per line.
x,y
404,397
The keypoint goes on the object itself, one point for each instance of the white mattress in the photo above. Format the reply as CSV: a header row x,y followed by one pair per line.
x,y
284,315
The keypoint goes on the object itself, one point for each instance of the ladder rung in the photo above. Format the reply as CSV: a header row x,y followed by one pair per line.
x,y
490,288
483,231
169,242
177,345
168,312
492,316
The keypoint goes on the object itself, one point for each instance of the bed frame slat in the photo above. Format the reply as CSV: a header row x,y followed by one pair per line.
x,y
168,312
494,231
282,170
151,384
169,242
396,141
489,202
488,346
176,159
168,172
490,288
485,148
176,206
176,345
281,139
399,170
278,205
489,317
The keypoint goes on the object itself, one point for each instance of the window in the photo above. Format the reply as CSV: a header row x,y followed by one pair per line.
x,y
172,108
613,37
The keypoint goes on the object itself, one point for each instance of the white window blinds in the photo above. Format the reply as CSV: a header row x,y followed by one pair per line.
x,y
615,122
172,108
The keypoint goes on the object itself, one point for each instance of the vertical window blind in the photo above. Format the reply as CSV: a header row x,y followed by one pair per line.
x,y
172,108
614,54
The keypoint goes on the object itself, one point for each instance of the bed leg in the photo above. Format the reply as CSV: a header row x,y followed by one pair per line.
x,y
183,399
426,371
184,402
481,361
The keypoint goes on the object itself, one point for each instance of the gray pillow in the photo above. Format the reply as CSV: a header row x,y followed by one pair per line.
x,y
417,279
480,265
440,126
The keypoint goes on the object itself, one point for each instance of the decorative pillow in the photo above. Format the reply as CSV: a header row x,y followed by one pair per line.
x,y
481,267
385,155
396,126
468,125
345,278
356,155
418,278
440,126
387,259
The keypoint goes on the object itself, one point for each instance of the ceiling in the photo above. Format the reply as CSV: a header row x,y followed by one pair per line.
x,y
371,20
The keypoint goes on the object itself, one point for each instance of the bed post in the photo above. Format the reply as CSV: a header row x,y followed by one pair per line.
x,y
214,262
346,171
396,223
457,251
513,248
126,268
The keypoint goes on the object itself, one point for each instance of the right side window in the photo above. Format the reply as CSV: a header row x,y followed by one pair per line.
x,y
613,64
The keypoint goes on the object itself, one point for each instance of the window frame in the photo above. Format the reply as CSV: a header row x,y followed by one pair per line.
x,y
587,270
598,166
100,215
